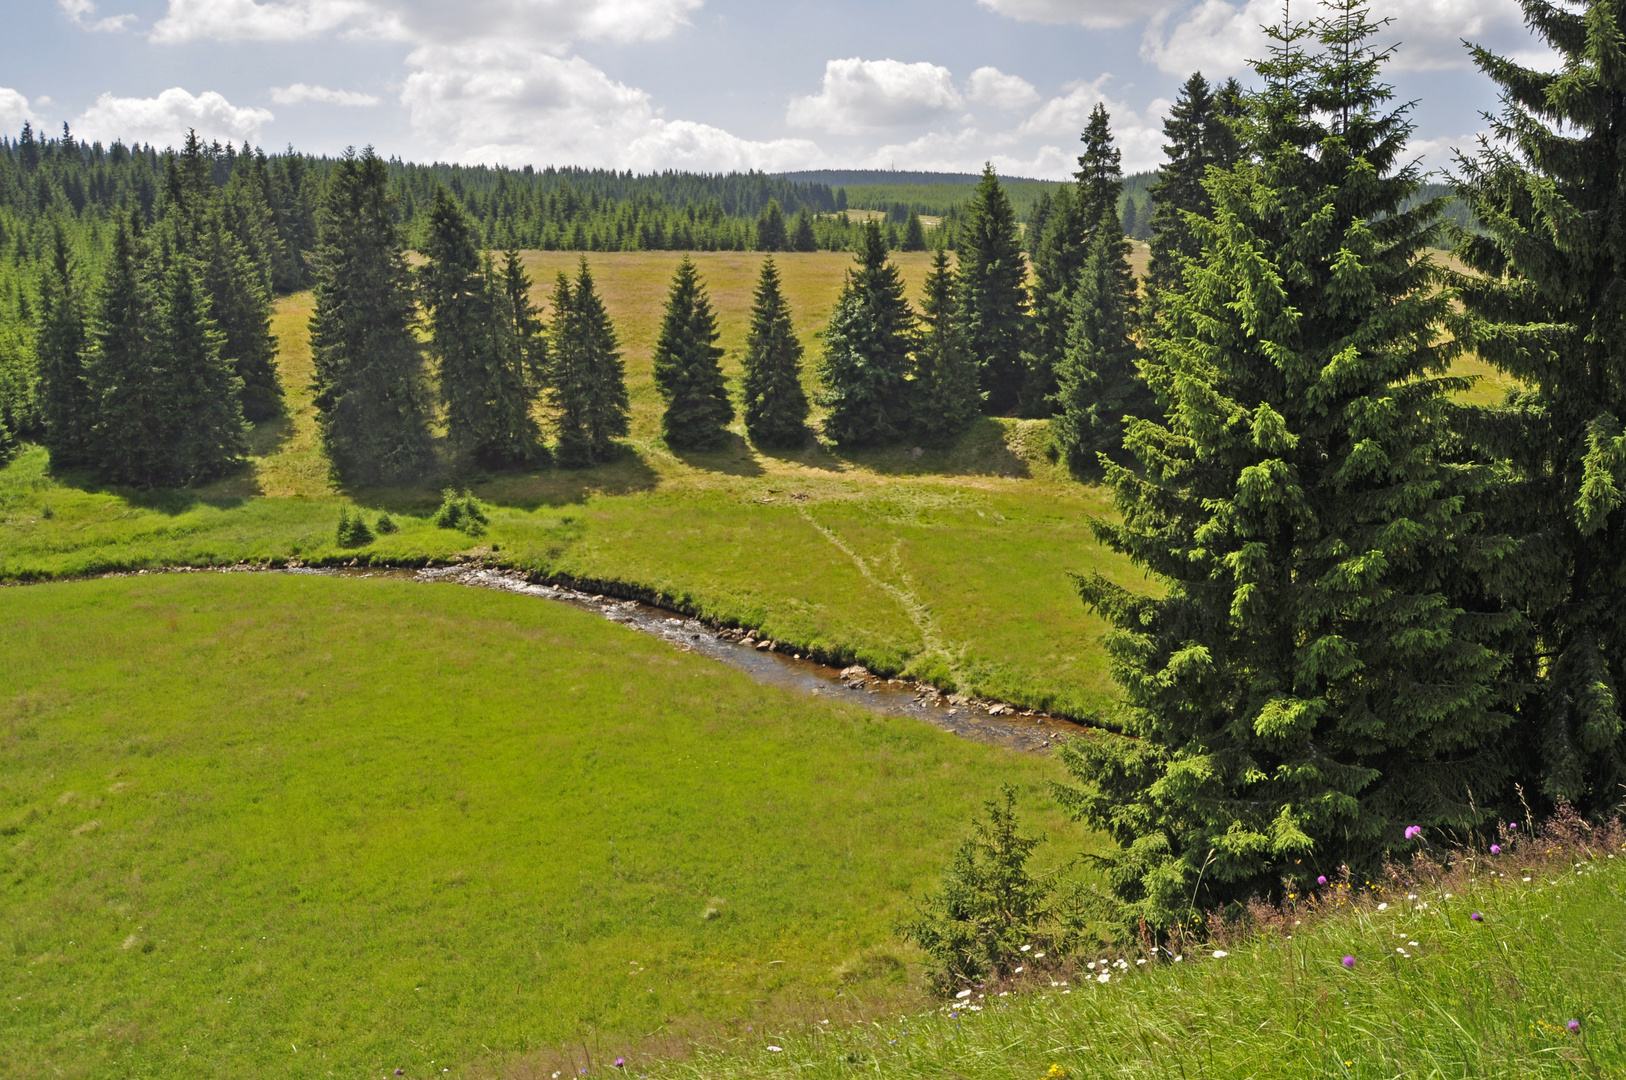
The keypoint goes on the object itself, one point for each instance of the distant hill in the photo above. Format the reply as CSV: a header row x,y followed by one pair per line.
x,y
887,178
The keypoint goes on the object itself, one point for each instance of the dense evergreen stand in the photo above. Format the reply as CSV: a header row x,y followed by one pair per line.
x,y
945,392
1549,192
1314,673
587,380
993,293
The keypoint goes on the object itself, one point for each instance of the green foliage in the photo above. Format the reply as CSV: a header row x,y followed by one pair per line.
x,y
1098,383
518,370
200,430
866,352
352,530
771,232
1546,308
58,348
456,302
1321,669
1201,129
688,371
586,378
802,235
386,526
914,234
462,512
944,392
776,406
372,407
988,908
993,293
240,304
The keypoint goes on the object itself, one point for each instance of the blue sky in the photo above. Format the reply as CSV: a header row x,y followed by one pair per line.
x,y
688,84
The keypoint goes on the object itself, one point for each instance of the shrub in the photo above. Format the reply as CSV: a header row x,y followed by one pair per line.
x,y
989,905
461,512
386,525
353,530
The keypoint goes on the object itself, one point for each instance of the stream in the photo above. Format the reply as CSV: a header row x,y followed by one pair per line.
x,y
983,721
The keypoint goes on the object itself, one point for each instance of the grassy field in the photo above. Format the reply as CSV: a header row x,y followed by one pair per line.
x,y
256,825
1432,993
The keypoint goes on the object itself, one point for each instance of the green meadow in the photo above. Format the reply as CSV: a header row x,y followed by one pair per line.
x,y
284,825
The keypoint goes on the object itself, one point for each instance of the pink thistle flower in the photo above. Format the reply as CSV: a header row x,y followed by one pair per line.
x,y
1322,880
1413,831
1496,849
1349,961
620,1063
1574,1026
1477,917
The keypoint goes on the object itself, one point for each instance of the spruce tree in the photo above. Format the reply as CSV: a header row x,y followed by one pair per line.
x,y
59,347
688,367
521,358
776,406
771,232
866,351
1548,190
1098,382
1200,133
124,384
240,303
914,234
201,417
993,292
1318,669
801,232
371,403
587,381
458,306
944,395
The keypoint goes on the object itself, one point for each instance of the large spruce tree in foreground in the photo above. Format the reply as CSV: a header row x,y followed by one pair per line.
x,y
944,393
200,395
1312,676
370,397
587,380
688,367
993,292
457,304
519,365
1549,308
125,389
866,351
775,403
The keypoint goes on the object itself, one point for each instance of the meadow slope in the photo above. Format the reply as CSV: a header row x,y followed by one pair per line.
x,y
272,824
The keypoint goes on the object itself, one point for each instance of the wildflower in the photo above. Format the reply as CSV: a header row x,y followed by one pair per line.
x,y
1038,956
1349,961
1090,965
621,1063
963,994
1574,1026
1177,959
1496,849
1527,879
1025,948
781,1050
1512,825
1383,907
1220,954
1411,896
1322,880
1413,944
1018,971
1142,960
1413,832
1477,917
1105,976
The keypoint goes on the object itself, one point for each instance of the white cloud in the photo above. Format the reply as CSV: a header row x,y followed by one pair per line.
x,y
498,102
164,120
1220,38
82,13
990,86
15,112
299,93
872,95
1097,14
549,24
1439,155
1139,135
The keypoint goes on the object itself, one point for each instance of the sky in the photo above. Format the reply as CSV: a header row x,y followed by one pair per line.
x,y
702,85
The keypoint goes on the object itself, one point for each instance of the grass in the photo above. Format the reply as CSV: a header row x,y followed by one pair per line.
x,y
1432,993
304,826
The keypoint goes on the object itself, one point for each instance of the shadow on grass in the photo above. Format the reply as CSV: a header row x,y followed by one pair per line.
x,y
532,489
733,458
989,447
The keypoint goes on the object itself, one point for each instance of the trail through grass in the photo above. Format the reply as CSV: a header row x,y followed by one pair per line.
x,y
392,824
